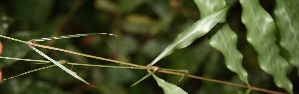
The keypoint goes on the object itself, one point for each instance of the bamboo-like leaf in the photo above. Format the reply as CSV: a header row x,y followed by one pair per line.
x,y
60,65
206,7
169,88
288,24
195,31
225,41
261,35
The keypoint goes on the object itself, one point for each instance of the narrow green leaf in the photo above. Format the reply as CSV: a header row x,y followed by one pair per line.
x,y
225,41
60,65
169,88
206,7
261,35
288,24
195,31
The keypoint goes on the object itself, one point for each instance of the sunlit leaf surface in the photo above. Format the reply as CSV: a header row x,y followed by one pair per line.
x,y
206,7
261,35
144,28
169,88
225,39
288,23
198,29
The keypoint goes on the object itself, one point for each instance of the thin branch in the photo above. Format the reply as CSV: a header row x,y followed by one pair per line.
x,y
222,82
29,60
86,55
145,67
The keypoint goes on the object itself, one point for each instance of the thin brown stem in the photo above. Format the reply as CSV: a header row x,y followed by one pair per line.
x,y
86,55
154,68
222,82
162,71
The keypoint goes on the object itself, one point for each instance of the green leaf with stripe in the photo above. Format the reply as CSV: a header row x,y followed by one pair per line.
x,y
206,7
195,31
261,35
225,39
169,88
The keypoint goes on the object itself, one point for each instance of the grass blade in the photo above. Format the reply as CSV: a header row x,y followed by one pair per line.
x,y
72,36
59,65
195,31
261,35
30,60
169,88
143,78
38,69
288,24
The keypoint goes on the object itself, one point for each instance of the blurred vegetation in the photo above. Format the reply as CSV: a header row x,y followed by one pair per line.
x,y
144,28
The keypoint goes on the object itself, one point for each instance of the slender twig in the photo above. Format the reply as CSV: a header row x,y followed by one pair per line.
x,y
86,55
146,76
104,66
30,60
29,72
153,68
71,52
70,63
145,67
71,36
222,82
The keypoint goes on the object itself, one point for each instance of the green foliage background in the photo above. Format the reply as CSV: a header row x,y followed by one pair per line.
x,y
144,28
